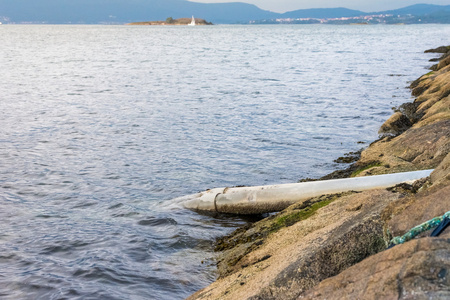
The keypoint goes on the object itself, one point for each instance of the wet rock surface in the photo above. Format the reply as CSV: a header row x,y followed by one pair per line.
x,y
395,125
335,246
441,49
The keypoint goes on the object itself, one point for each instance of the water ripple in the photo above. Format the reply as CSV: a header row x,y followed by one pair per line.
x,y
101,126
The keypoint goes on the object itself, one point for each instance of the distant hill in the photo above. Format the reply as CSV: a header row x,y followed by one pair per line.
x,y
322,13
125,11
418,10
422,13
414,14
128,11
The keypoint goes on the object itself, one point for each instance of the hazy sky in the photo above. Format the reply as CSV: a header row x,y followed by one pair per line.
x,y
364,5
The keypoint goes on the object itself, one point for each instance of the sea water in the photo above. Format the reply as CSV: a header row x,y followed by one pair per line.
x,y
102,126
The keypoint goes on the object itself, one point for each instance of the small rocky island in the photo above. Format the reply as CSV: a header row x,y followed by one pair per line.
x,y
171,21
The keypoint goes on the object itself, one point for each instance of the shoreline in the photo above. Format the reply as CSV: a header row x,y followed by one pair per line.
x,y
318,248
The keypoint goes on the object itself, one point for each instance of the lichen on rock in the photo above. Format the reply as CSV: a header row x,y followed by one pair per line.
x,y
418,269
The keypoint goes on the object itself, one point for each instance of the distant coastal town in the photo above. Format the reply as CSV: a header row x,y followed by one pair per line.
x,y
359,20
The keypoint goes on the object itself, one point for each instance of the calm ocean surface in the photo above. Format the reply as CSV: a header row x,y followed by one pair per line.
x,y
101,126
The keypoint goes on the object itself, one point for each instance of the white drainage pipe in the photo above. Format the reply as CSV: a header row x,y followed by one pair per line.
x,y
270,198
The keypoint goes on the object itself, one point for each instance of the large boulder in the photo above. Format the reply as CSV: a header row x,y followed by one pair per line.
x,y
395,125
419,269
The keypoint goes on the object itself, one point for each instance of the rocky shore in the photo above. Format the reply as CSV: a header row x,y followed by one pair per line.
x,y
335,246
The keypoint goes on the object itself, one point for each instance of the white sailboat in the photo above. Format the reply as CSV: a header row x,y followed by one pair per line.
x,y
192,22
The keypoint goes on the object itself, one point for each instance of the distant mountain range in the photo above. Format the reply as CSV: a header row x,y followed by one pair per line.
x,y
322,13
125,11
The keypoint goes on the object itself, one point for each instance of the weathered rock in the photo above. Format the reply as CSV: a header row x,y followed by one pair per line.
x,y
444,55
409,109
395,125
427,142
443,58
443,63
415,210
438,110
441,175
419,269
418,90
432,200
295,258
415,149
441,49
349,157
241,242
327,248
